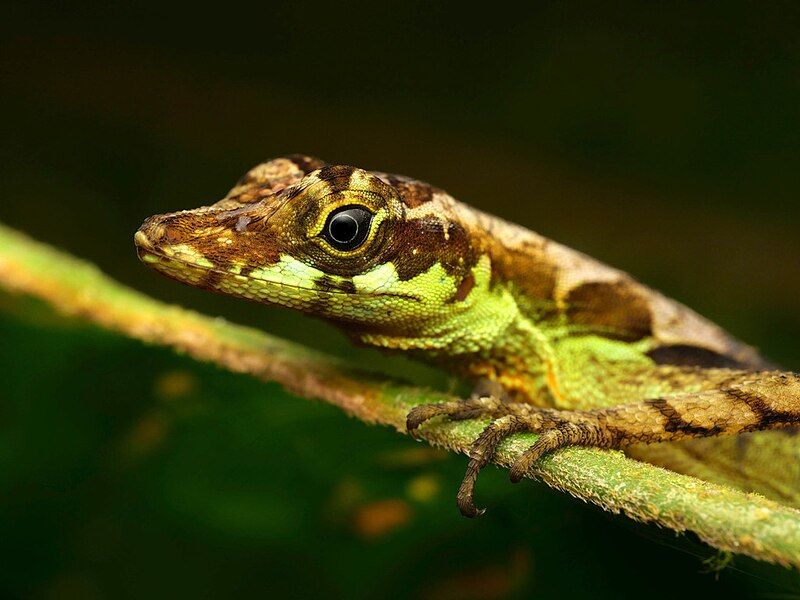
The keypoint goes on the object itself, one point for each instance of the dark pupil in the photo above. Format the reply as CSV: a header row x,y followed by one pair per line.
x,y
347,228
344,228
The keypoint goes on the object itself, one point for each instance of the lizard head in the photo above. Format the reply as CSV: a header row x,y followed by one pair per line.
x,y
383,256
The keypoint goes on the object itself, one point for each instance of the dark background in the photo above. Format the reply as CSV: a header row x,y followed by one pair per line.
x,y
662,139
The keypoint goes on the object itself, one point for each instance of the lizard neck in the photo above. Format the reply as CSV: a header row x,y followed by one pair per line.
x,y
493,338
475,326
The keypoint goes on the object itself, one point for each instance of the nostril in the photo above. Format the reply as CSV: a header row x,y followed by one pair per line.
x,y
170,235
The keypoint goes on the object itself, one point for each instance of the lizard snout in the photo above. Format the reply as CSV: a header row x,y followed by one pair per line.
x,y
148,237
150,234
163,231
158,236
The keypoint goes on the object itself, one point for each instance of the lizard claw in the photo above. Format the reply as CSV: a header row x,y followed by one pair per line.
x,y
466,492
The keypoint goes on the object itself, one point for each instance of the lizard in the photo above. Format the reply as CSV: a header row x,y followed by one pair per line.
x,y
557,343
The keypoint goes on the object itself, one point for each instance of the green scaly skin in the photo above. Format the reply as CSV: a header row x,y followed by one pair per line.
x,y
570,348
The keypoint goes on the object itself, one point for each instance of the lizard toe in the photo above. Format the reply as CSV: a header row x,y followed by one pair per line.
x,y
458,410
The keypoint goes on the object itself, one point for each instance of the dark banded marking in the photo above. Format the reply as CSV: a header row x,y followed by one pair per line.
x,y
330,172
421,243
616,306
213,277
684,355
676,423
326,283
618,436
766,415
413,193
332,179
247,269
463,289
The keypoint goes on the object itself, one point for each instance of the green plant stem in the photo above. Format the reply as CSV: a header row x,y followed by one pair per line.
x,y
725,518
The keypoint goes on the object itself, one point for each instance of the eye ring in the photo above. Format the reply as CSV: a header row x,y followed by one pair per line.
x,y
347,227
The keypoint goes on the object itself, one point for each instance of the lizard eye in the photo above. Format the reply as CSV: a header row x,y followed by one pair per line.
x,y
347,227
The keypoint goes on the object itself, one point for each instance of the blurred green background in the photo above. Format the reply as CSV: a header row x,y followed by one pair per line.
x,y
662,139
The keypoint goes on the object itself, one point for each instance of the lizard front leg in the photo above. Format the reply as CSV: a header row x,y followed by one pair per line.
x,y
765,401
508,418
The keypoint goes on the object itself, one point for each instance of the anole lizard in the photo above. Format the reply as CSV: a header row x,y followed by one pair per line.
x,y
558,343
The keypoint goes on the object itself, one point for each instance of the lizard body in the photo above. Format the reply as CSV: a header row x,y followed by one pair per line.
x,y
583,353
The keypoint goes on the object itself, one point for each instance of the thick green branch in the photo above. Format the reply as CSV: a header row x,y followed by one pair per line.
x,y
725,518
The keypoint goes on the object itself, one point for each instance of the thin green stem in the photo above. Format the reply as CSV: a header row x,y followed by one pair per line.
x,y
723,517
